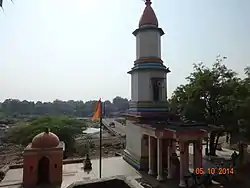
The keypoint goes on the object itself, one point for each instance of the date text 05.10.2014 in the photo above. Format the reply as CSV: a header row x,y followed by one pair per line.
x,y
217,171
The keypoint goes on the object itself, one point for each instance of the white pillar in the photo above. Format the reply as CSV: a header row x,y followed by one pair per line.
x,y
182,164
173,146
194,158
186,154
198,154
169,160
150,156
159,159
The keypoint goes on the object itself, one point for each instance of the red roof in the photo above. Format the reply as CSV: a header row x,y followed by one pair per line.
x,y
45,140
148,17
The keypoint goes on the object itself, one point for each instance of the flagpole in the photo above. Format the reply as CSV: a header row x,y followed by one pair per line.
x,y
100,160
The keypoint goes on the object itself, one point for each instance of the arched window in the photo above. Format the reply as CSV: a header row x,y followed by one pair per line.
x,y
157,85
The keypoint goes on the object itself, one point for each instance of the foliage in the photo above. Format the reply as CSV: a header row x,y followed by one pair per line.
x,y
64,127
17,108
216,96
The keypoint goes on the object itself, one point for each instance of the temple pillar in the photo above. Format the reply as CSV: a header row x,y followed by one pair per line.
x,y
169,160
186,156
159,160
173,146
198,154
194,154
151,150
182,164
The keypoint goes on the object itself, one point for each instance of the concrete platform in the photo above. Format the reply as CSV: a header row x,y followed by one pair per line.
x,y
113,166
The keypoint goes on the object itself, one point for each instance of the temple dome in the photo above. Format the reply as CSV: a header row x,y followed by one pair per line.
x,y
148,17
45,140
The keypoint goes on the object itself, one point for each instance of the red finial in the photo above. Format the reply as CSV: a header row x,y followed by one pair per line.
x,y
148,2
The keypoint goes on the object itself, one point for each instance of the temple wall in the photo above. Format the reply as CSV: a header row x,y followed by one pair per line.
x,y
143,91
136,152
161,74
148,44
31,164
140,92
133,139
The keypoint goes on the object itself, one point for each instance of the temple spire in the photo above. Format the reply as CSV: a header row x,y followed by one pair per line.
x,y
148,2
148,16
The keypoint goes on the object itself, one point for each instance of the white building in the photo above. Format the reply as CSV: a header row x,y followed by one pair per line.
x,y
151,130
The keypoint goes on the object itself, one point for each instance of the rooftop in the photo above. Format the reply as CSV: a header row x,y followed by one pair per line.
x,y
112,168
148,17
45,139
73,173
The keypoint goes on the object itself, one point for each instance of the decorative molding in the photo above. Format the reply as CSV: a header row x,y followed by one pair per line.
x,y
149,65
148,60
148,28
148,104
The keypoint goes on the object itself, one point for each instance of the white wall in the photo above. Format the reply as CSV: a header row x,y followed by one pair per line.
x,y
160,74
134,86
133,138
141,85
148,44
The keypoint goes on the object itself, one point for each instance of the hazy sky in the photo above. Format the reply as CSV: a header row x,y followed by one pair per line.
x,y
82,49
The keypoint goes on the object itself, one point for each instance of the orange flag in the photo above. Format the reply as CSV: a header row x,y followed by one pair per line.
x,y
98,111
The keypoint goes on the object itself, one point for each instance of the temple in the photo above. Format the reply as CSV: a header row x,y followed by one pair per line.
x,y
152,132
43,160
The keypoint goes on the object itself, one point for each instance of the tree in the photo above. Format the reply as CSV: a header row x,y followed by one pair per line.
x,y
120,103
64,127
211,95
17,108
1,3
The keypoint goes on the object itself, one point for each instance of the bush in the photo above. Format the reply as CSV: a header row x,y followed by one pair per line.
x,y
64,127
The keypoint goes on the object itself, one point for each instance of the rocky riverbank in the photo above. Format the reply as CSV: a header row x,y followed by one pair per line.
x,y
12,154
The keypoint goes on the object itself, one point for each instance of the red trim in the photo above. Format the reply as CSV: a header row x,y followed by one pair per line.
x,y
165,133
190,133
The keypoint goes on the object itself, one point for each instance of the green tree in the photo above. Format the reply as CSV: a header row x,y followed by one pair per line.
x,y
17,108
64,127
211,95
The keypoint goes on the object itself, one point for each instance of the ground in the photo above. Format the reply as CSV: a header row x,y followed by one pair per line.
x,y
112,166
74,172
12,154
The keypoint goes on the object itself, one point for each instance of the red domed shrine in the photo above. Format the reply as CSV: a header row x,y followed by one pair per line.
x,y
43,160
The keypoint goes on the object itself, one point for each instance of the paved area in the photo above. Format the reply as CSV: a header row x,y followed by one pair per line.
x,y
113,166
225,154
73,172
119,128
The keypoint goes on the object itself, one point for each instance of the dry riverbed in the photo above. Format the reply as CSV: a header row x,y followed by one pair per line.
x,y
12,154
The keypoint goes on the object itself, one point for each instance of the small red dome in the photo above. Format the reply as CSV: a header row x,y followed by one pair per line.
x,y
148,17
45,140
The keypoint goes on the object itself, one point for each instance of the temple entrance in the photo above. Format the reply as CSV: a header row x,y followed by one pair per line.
x,y
43,171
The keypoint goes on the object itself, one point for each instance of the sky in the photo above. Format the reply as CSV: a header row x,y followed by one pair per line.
x,y
82,49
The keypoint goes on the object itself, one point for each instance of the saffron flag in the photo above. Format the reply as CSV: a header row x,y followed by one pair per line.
x,y
98,111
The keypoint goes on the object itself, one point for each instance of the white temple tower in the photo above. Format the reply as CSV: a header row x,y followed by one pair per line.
x,y
148,76
148,83
151,130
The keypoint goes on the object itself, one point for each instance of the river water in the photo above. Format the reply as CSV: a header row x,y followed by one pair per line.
x,y
91,130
